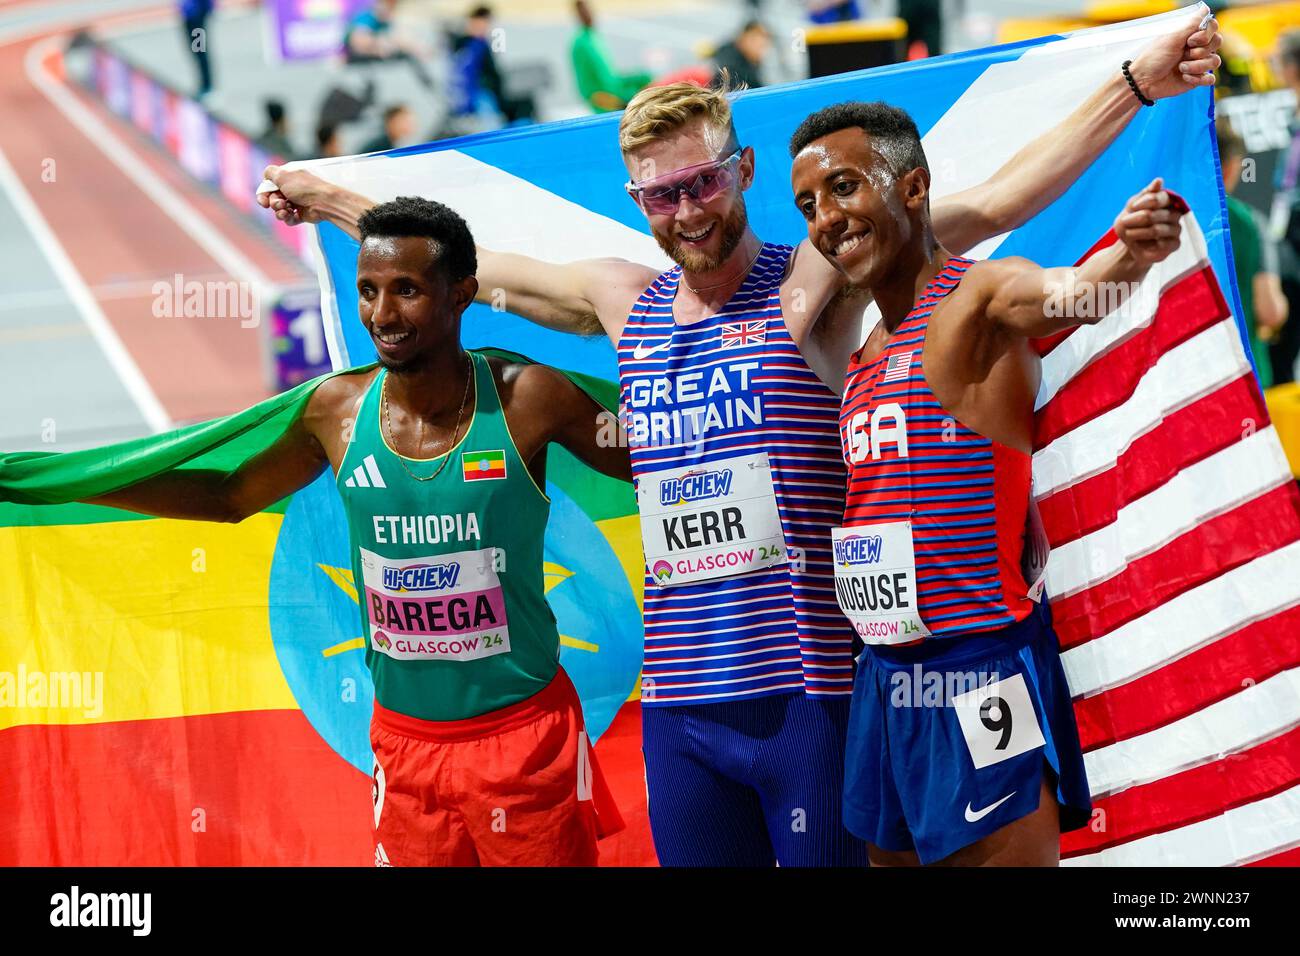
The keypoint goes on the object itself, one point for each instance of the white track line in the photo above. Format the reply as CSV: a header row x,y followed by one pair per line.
x,y
171,202
151,410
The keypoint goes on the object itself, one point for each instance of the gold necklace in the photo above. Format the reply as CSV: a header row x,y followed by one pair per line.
x,y
706,288
388,427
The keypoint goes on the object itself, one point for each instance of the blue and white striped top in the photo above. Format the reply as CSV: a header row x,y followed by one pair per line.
x,y
735,384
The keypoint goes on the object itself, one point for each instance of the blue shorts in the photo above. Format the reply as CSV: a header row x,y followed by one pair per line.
x,y
749,783
948,739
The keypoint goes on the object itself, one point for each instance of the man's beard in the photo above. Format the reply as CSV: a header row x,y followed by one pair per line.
x,y
733,230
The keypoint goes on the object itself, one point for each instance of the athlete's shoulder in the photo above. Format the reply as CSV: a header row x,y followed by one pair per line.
x,y
528,383
536,396
336,398
986,272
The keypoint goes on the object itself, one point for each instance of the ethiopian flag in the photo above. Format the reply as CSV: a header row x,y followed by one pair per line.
x,y
483,465
186,692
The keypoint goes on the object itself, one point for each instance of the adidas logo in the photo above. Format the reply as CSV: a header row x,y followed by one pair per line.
x,y
365,475
381,857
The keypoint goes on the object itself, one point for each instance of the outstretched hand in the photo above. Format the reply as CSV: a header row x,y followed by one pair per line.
x,y
1179,61
1149,225
296,195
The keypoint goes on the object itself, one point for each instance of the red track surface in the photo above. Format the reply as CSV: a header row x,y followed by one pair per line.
x,y
114,233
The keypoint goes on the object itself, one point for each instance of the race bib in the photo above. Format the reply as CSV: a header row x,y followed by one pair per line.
x,y
710,521
998,721
449,607
1037,549
875,581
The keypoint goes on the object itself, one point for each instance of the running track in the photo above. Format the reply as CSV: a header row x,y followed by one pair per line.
x,y
80,348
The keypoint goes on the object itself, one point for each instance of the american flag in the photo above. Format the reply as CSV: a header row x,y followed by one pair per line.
x,y
1174,578
896,369
738,334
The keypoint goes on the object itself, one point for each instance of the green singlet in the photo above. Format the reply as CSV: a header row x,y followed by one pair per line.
x,y
449,571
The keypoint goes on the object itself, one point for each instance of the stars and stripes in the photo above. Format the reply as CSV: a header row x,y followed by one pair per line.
x,y
1174,577
898,367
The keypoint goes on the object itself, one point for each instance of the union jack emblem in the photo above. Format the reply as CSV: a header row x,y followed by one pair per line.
x,y
739,334
898,366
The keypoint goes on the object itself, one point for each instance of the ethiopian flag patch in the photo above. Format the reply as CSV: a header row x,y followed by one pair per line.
x,y
483,465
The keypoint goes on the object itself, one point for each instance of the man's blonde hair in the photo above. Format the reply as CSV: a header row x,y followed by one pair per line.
x,y
659,110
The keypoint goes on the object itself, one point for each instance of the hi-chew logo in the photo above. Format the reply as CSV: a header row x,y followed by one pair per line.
x,y
421,577
858,549
695,486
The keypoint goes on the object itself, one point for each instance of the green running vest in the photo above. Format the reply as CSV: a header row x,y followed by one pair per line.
x,y
449,571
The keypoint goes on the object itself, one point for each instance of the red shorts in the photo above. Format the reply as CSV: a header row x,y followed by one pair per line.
x,y
515,787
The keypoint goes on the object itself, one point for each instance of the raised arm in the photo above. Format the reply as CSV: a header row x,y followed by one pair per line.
x,y
1045,168
1029,301
586,297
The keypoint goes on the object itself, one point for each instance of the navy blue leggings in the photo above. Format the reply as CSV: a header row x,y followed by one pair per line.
x,y
749,783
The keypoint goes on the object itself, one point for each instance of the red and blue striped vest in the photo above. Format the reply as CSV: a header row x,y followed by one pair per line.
x,y
909,459
731,385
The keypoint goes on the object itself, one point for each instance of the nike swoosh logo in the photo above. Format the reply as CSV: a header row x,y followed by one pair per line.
x,y
641,352
974,816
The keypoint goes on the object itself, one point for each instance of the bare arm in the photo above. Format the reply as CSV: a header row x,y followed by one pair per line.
x,y
287,466
574,420
1030,301
1045,168
810,286
1271,307
585,297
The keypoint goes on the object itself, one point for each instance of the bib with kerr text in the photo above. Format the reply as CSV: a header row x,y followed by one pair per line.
x,y
711,521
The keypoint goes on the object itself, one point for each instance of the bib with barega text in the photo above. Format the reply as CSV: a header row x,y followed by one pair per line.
x,y
875,581
710,521
448,607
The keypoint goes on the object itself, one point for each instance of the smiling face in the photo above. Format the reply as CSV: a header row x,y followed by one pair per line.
x,y
860,215
407,302
698,237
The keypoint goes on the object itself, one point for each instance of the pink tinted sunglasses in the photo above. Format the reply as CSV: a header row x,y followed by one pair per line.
x,y
703,182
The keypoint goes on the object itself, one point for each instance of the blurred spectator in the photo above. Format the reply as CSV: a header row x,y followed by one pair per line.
x,y
369,39
1285,347
742,56
369,35
327,142
275,140
924,20
194,14
833,11
399,127
476,81
603,87
1255,256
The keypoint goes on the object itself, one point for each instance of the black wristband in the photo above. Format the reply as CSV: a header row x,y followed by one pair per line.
x,y
1132,85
